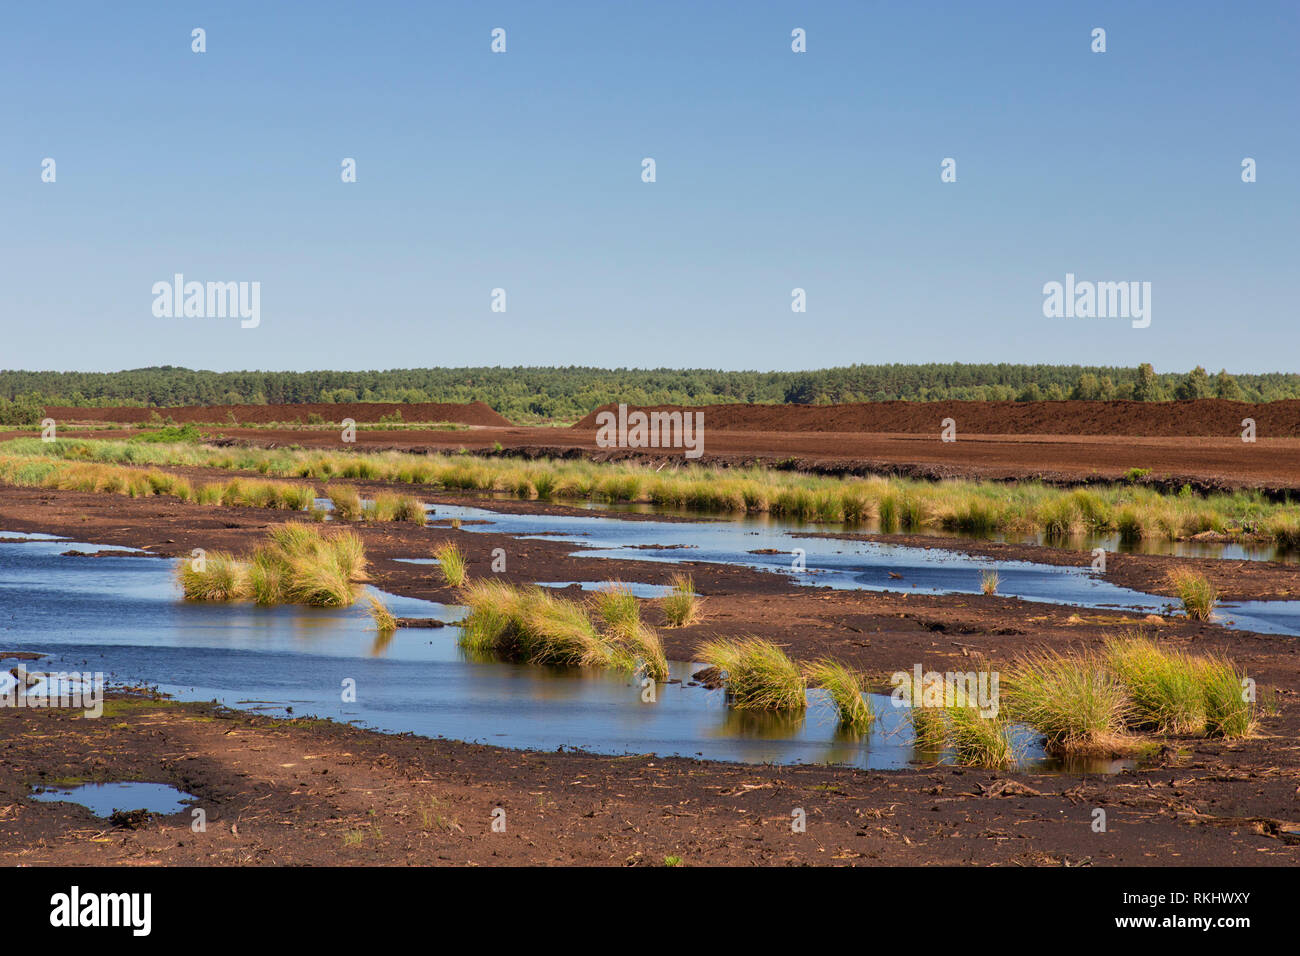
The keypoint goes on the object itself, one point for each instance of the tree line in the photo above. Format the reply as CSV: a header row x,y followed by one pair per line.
x,y
566,393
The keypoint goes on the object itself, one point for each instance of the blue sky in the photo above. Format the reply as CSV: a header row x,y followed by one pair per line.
x,y
775,170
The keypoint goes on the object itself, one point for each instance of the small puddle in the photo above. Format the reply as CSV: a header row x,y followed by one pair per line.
x,y
105,799
636,588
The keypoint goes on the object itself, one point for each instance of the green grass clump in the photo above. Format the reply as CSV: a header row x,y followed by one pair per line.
x,y
297,497
170,435
282,496
1165,686
844,687
558,631
616,605
208,494
929,728
1195,591
1229,712
758,675
957,725
682,606
1178,693
989,581
493,623
979,741
641,643
532,624
218,577
1076,702
451,563
297,564
389,506
1284,529
543,483
410,509
385,622
616,608
265,580
346,501
315,569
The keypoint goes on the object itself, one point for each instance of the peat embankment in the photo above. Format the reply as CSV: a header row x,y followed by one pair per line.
x,y
1206,417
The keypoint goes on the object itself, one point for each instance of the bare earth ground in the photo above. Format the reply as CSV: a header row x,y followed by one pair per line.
x,y
307,792
397,799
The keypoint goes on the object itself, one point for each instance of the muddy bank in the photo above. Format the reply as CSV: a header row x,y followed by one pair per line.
x,y
308,792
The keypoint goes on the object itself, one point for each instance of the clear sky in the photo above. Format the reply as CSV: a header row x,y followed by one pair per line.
x,y
522,171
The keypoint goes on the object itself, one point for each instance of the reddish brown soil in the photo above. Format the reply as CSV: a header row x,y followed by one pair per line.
x,y
474,413
1204,801
304,792
1205,417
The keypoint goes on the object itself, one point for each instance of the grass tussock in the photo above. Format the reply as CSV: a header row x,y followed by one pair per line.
x,y
531,624
217,576
385,621
957,726
844,687
757,674
451,563
297,564
389,506
1074,701
1178,693
989,583
682,606
346,501
1092,703
979,741
615,605
643,644
1195,591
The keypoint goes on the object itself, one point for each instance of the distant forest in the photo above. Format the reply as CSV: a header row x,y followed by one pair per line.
x,y
531,394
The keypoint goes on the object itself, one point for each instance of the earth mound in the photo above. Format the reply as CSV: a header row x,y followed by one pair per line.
x,y
1203,417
